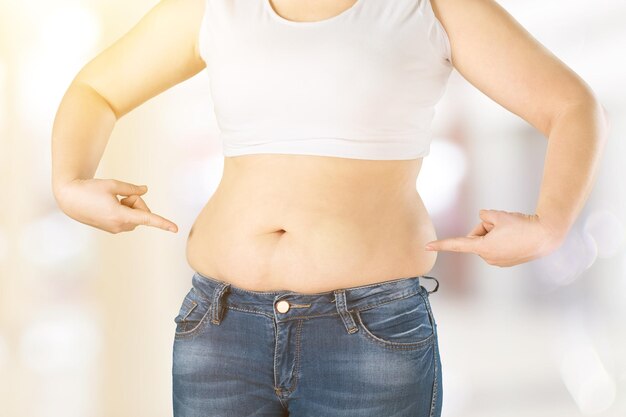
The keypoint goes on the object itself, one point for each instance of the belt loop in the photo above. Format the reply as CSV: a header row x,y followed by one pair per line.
x,y
340,302
436,286
216,305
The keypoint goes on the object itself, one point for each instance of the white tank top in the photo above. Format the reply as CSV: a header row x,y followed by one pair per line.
x,y
362,84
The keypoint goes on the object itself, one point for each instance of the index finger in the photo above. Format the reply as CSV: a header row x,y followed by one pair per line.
x,y
458,244
146,218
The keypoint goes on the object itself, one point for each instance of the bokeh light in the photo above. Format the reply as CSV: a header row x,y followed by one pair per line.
x,y
586,379
66,38
563,266
62,345
607,230
55,239
60,338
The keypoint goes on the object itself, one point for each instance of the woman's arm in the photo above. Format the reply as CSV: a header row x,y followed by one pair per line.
x,y
576,139
160,51
498,56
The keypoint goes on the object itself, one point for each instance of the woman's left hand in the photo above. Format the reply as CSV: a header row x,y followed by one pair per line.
x,y
505,239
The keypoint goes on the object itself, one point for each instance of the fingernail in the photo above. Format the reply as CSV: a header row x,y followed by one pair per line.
x,y
429,247
172,229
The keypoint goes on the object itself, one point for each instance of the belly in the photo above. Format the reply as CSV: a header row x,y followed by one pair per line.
x,y
311,223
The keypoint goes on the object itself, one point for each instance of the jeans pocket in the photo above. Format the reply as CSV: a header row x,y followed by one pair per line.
x,y
403,323
192,315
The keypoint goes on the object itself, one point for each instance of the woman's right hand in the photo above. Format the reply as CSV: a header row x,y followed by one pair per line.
x,y
94,202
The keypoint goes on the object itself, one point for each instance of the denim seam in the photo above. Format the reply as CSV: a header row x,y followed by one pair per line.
x,y
201,323
275,354
435,382
187,301
368,306
238,289
430,312
311,316
297,367
381,283
395,345
235,307
275,387
190,309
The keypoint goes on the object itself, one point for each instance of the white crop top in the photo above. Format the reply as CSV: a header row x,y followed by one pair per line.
x,y
362,84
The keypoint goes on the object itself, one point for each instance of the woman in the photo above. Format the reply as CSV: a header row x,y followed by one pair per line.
x,y
309,258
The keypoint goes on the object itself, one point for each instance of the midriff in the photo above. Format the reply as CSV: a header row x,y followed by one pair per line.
x,y
312,223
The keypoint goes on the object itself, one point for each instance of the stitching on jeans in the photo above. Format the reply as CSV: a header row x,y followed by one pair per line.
x,y
191,308
235,307
299,305
395,345
430,312
382,283
238,307
310,316
187,333
297,367
235,288
275,387
216,306
435,381
275,351
368,306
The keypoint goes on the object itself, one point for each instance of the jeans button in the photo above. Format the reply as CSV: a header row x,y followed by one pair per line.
x,y
282,306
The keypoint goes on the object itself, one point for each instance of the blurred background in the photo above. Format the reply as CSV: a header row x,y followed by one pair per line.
x,y
86,317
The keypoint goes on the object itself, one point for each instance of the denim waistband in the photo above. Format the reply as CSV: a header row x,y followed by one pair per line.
x,y
303,305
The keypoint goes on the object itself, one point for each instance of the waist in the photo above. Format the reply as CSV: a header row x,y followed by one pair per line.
x,y
305,305
275,220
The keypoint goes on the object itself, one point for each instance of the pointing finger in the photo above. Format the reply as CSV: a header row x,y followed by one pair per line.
x,y
141,217
456,244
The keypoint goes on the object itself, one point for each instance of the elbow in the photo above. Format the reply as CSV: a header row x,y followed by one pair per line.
x,y
588,105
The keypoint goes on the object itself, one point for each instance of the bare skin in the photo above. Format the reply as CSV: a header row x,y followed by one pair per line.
x,y
311,223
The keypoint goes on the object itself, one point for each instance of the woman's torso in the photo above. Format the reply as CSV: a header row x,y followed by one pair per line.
x,y
308,222
312,223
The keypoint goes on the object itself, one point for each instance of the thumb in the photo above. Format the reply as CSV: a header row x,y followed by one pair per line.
x,y
126,188
490,216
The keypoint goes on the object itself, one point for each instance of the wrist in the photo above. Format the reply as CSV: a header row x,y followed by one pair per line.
x,y
60,185
556,228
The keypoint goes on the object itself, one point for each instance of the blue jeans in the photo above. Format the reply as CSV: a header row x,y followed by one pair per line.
x,y
366,351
